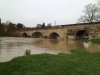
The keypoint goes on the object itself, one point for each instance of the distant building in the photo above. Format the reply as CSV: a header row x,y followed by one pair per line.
x,y
39,25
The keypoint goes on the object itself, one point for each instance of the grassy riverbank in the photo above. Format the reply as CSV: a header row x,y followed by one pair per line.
x,y
96,40
79,62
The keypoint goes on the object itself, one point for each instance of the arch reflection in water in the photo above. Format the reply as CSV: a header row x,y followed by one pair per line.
x,y
54,41
38,41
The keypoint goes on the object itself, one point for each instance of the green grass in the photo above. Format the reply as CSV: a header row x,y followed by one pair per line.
x,y
96,40
79,62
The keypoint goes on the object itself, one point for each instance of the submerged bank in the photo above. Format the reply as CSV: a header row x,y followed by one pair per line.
x,y
79,62
96,40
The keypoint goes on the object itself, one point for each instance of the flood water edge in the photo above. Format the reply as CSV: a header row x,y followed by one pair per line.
x,y
11,47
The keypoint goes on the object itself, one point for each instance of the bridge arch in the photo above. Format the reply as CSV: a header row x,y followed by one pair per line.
x,y
37,35
82,34
24,35
54,35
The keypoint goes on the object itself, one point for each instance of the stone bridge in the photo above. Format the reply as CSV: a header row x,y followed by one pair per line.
x,y
72,31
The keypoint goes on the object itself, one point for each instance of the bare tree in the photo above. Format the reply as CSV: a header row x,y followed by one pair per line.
x,y
20,26
91,14
38,25
98,2
49,25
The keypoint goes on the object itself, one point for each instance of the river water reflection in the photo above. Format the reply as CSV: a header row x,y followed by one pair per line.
x,y
11,47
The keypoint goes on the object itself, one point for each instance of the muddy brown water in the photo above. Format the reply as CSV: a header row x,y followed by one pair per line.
x,y
11,47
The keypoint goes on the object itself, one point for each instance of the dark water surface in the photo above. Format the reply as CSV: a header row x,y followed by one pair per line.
x,y
11,47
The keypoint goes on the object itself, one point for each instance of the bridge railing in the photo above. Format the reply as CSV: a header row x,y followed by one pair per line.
x,y
58,26
40,28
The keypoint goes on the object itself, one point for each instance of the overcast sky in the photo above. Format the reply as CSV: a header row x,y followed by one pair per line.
x,y
32,12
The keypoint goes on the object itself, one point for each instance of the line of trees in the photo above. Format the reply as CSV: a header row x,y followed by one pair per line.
x,y
43,25
1,29
9,28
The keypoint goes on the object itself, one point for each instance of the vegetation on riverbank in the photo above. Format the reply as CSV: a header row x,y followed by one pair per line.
x,y
9,28
96,40
79,62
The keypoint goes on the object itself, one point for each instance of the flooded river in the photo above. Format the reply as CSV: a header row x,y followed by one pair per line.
x,y
11,47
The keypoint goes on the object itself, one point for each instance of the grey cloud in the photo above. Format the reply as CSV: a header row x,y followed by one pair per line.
x,y
31,12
